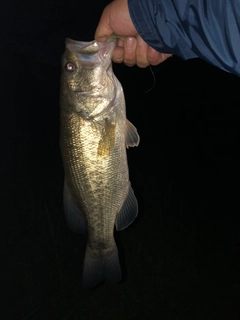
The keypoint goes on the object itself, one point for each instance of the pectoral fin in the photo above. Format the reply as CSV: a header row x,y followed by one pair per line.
x,y
107,142
128,211
74,217
132,137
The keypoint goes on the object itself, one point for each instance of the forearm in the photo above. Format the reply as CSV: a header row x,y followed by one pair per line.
x,y
208,29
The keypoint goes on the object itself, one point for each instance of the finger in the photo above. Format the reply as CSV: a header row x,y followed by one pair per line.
x,y
154,57
141,53
130,44
165,56
118,55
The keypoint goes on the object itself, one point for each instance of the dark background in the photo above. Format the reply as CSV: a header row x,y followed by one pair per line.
x,y
180,258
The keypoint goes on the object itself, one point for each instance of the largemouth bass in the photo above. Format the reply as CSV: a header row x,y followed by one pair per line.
x,y
94,135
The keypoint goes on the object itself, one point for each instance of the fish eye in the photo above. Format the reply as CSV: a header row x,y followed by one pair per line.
x,y
69,66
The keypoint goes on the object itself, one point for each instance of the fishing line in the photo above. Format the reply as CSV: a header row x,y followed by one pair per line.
x,y
154,79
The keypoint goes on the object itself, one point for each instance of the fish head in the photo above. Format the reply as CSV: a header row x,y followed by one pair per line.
x,y
87,79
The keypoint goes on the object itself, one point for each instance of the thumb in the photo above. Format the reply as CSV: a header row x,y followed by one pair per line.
x,y
103,28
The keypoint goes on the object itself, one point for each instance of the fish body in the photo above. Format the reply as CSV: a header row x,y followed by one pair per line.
x,y
94,134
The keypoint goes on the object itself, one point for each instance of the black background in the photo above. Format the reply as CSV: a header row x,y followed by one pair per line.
x,y
180,258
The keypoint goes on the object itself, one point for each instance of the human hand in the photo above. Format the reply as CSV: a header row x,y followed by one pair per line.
x,y
131,48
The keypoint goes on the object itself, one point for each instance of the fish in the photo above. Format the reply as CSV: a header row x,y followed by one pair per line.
x,y
94,135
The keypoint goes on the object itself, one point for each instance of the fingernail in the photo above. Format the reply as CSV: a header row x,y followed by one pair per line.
x,y
129,44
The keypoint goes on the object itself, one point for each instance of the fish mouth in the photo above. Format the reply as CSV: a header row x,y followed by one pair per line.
x,y
82,47
93,51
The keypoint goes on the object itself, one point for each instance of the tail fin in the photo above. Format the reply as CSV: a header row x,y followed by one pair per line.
x,y
103,268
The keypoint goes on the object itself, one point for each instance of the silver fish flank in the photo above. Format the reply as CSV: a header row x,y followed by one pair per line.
x,y
94,135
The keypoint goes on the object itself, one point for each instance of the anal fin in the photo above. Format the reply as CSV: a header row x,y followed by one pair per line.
x,y
128,212
73,215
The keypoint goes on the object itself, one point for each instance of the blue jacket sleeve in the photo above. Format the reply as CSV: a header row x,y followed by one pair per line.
x,y
208,29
